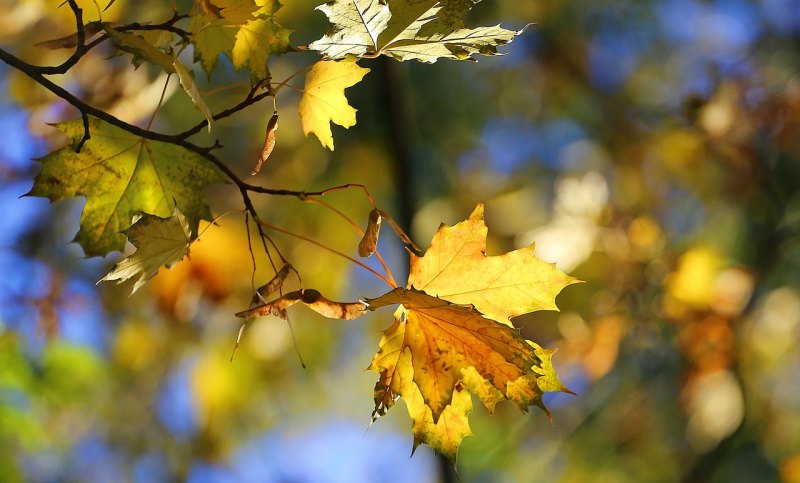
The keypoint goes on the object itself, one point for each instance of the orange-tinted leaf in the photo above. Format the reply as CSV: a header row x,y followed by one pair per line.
x,y
445,338
458,340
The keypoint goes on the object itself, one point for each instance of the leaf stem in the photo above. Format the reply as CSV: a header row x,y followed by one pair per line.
x,y
160,101
325,247
358,230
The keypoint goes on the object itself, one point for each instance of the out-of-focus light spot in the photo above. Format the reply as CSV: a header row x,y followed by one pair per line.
x,y
775,324
94,460
428,218
136,345
715,408
790,469
619,49
719,116
693,282
205,473
732,290
219,386
510,143
570,236
581,198
646,237
176,408
574,328
602,356
268,338
784,15
339,451
151,468
680,149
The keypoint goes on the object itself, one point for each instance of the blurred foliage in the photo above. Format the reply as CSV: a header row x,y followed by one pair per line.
x,y
650,148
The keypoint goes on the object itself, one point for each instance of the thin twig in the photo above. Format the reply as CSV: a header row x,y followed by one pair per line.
x,y
325,247
358,230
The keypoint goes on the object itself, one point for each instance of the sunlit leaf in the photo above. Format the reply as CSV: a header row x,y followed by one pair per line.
x,y
459,340
121,175
457,268
190,87
244,30
323,99
160,242
140,48
404,31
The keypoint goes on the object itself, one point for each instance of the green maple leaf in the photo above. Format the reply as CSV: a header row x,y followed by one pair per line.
x,y
424,31
244,30
158,241
122,175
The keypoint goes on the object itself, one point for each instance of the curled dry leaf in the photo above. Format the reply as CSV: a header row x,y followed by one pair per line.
x,y
269,143
71,41
190,87
369,242
272,286
311,298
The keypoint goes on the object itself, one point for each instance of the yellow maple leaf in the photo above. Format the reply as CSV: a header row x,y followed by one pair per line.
x,y
439,351
456,268
323,99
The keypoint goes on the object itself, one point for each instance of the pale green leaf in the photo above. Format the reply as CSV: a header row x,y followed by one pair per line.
x,y
417,30
160,242
121,175
190,86
255,41
355,27
140,48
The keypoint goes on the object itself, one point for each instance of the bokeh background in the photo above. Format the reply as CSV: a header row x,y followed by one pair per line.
x,y
650,148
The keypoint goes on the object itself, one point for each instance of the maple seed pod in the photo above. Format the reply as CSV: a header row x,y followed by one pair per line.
x,y
272,286
269,143
369,243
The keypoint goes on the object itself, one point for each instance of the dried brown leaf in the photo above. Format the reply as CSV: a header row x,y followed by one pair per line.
x,y
311,298
269,143
369,242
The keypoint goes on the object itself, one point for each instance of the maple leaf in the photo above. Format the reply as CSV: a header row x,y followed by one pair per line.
x,y
323,100
458,340
158,241
189,85
456,268
425,31
122,175
140,48
244,30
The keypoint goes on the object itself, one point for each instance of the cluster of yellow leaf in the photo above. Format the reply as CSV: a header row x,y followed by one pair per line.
x,y
242,29
453,336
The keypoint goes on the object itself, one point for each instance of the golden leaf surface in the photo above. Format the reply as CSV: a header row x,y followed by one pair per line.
x,y
456,268
440,351
323,99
